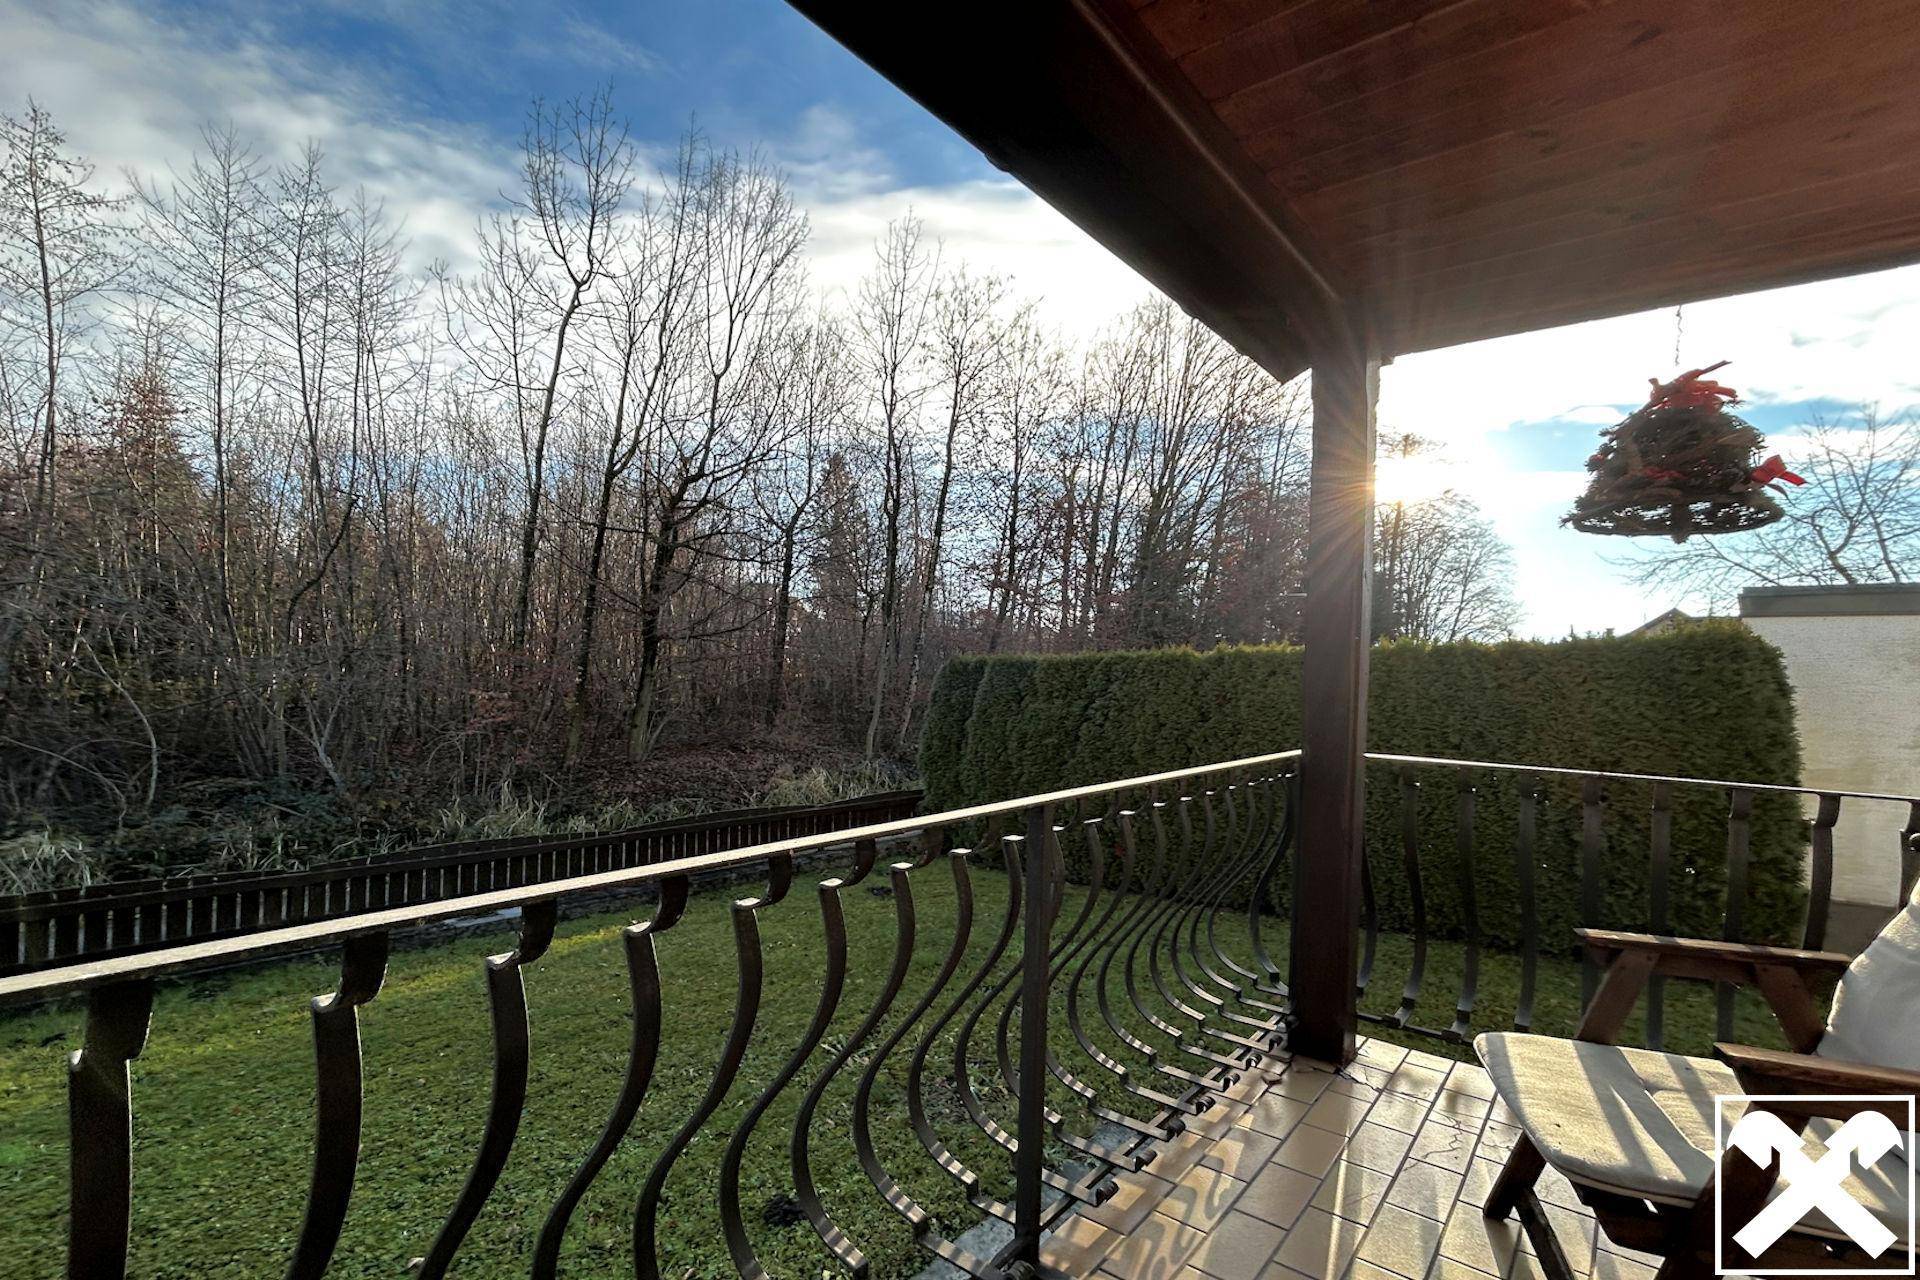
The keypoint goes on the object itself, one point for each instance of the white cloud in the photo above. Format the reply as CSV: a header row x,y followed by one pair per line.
x,y
133,93
587,43
992,226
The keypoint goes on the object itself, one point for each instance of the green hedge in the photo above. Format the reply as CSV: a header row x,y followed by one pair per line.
x,y
1707,701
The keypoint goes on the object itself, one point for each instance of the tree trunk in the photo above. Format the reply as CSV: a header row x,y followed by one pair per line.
x,y
782,623
640,718
930,578
889,595
536,482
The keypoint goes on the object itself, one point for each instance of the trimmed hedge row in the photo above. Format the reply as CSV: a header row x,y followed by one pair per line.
x,y
1707,701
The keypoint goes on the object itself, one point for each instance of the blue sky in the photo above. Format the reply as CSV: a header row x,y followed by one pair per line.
x,y
745,68
421,103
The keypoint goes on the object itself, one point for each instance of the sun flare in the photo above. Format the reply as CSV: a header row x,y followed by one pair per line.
x,y
1414,477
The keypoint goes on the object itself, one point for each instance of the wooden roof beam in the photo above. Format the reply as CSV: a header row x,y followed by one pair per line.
x,y
1075,100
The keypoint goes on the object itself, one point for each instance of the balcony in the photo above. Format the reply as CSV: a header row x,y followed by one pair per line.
x,y
751,1080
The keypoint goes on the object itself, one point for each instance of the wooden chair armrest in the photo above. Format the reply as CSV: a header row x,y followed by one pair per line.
x,y
1707,957
1779,973
1773,1071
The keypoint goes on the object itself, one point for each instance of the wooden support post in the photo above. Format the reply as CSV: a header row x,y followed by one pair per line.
x,y
1333,676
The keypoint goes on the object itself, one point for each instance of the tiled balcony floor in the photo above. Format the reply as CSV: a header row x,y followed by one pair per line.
x,y
1373,1172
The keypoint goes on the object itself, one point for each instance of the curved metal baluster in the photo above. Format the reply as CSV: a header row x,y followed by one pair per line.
x,y
1227,864
1086,950
507,1000
1190,865
1523,855
1369,926
1593,834
1263,888
1416,895
1222,865
1105,935
963,1041
1149,933
1820,874
1161,895
1267,829
1659,900
1227,854
1157,886
1090,1189
883,1182
833,924
643,980
1469,910
1245,840
916,1101
1056,869
806,1191
1217,862
1739,831
746,1008
1200,868
1106,951
336,1051
1057,953
1259,796
100,1129
1153,886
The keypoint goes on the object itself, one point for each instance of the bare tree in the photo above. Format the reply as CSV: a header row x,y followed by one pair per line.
x,y
647,328
1030,391
1857,519
966,344
889,322
749,236
818,404
200,243
576,168
56,252
1441,572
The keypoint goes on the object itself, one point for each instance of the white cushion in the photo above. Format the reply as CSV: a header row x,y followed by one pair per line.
x,y
1875,1017
1639,1123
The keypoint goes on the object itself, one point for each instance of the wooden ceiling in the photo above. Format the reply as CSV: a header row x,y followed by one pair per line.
x,y
1451,169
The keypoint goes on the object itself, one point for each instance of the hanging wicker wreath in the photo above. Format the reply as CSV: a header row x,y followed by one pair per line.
x,y
1680,465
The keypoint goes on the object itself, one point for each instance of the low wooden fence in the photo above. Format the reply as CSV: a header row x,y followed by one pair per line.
x,y
62,926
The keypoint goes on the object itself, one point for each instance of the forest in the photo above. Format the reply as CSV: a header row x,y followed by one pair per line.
x,y
297,540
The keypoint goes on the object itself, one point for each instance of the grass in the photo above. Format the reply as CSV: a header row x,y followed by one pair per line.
x,y
223,1097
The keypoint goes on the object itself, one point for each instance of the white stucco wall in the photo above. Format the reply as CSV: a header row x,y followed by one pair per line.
x,y
1856,684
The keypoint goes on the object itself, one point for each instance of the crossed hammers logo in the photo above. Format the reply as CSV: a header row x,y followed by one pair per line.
x,y
1814,1184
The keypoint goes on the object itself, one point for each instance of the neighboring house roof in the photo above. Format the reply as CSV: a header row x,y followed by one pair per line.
x,y
1875,599
1668,621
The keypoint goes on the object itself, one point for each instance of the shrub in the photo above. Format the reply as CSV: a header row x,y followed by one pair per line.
x,y
1708,701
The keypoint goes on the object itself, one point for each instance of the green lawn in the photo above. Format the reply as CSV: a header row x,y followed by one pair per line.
x,y
223,1098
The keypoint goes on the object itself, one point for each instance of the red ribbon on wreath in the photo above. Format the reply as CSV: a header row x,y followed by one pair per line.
x,y
1774,469
1691,390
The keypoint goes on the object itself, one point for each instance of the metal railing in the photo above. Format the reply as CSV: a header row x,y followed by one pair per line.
x,y
61,926
1608,842
1115,944
1128,947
